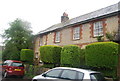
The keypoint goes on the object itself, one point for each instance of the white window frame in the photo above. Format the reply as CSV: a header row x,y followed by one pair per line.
x,y
57,37
98,29
76,33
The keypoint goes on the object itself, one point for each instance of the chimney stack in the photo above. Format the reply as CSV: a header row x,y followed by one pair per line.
x,y
64,18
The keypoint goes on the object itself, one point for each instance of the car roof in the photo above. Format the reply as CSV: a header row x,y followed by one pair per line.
x,y
77,69
14,61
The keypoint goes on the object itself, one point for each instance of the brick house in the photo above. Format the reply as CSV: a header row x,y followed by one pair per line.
x,y
81,30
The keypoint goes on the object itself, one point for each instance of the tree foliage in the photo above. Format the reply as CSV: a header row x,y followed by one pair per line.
x,y
18,36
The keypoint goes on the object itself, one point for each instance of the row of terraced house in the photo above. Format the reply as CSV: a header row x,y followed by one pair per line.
x,y
81,30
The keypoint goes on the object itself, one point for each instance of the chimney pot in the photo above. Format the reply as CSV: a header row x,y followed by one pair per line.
x,y
65,17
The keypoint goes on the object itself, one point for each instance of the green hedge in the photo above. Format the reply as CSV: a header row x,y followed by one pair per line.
x,y
82,57
102,55
27,56
119,50
50,54
70,56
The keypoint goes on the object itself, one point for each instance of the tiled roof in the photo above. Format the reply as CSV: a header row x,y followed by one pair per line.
x,y
82,18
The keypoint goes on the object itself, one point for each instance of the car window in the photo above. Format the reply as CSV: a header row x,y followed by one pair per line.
x,y
97,77
69,74
7,63
54,73
17,64
80,75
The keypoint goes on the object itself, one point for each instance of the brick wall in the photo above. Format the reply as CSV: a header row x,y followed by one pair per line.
x,y
86,34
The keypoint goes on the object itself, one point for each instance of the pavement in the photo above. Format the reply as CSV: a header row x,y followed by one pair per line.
x,y
0,73
15,79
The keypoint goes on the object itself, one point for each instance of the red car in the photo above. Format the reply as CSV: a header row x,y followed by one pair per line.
x,y
12,67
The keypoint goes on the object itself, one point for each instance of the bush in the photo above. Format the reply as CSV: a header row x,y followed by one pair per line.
x,y
102,55
48,66
27,56
50,54
119,50
82,57
70,56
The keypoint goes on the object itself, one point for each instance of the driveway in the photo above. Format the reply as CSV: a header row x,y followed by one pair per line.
x,y
0,73
15,79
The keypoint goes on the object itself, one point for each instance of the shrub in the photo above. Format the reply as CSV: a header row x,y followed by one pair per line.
x,y
70,56
111,35
27,56
119,50
100,38
48,66
30,72
82,57
102,55
50,54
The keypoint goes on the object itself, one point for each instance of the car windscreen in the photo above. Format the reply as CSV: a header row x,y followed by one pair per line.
x,y
17,64
97,77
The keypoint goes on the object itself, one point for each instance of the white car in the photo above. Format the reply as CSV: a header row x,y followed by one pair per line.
x,y
66,73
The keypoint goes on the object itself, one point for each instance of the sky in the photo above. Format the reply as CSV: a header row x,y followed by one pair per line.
x,y
45,13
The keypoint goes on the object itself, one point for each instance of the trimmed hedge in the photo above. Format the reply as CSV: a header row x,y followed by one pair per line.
x,y
70,56
82,58
102,55
50,54
27,56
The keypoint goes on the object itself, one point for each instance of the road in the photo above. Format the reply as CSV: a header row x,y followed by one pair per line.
x,y
15,79
12,78
0,73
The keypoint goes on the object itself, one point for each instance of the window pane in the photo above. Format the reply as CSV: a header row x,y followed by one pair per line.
x,y
76,33
80,75
97,77
98,28
69,74
54,73
17,64
57,38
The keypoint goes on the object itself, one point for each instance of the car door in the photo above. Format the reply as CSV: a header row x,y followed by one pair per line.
x,y
69,75
80,76
53,74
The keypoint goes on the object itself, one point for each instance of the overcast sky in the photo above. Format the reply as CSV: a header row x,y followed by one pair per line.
x,y
44,13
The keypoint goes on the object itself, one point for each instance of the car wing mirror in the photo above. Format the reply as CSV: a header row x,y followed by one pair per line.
x,y
2,64
44,75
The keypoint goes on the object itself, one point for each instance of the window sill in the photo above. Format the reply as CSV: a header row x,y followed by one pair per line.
x,y
57,42
76,39
98,36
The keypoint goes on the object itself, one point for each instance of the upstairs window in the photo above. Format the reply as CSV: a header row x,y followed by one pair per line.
x,y
57,37
98,29
76,33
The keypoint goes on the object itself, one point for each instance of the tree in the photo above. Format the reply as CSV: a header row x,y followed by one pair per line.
x,y
17,37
